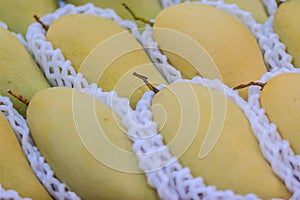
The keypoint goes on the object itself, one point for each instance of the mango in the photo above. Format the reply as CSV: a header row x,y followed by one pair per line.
x,y
19,71
84,142
104,52
286,25
211,135
280,98
15,171
18,14
256,7
227,41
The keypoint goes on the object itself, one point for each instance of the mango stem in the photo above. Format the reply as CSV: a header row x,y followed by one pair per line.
x,y
144,78
19,97
45,26
249,84
136,17
279,2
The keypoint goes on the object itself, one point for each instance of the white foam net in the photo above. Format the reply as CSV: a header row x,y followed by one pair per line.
x,y
10,194
172,181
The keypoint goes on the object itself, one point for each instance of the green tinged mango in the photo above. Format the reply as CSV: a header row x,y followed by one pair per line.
x,y
18,14
19,71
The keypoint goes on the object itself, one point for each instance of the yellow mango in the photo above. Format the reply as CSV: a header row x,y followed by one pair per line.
x,y
84,142
15,171
227,41
211,135
77,35
104,52
256,7
286,25
280,98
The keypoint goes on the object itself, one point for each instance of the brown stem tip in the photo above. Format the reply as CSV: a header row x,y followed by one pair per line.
x,y
278,3
145,79
136,17
19,97
249,84
45,26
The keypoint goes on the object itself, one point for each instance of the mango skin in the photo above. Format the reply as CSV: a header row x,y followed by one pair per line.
x,y
56,117
105,53
190,115
280,98
229,43
286,25
147,9
19,72
18,14
15,171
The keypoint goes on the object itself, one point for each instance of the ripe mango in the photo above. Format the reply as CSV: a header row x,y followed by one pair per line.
x,y
211,135
256,7
15,172
280,98
286,25
227,41
105,53
84,142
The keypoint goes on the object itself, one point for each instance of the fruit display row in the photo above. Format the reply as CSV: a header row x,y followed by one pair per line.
x,y
153,100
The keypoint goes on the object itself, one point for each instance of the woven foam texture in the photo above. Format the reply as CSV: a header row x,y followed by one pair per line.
x,y
171,181
10,194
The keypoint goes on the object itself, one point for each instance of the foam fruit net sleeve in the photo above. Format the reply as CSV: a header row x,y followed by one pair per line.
x,y
163,171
